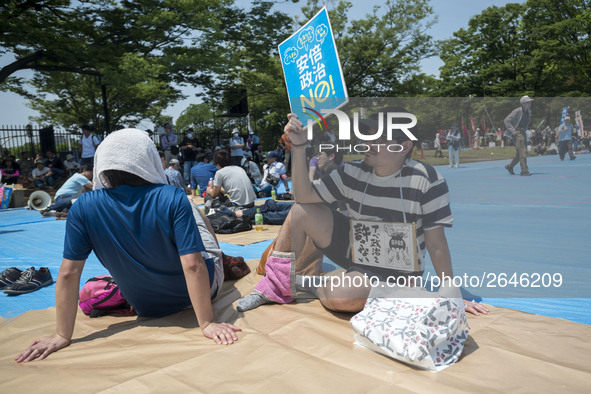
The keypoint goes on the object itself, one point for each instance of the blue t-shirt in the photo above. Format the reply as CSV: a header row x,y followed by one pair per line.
x,y
138,234
201,174
74,185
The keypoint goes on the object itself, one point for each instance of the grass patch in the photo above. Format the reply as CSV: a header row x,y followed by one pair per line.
x,y
466,156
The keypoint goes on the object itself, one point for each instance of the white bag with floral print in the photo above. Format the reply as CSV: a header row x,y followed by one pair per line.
x,y
427,331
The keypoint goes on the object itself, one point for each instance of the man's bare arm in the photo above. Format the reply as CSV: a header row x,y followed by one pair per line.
x,y
66,300
302,187
197,279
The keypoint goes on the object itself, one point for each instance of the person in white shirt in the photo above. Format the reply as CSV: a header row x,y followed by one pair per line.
x,y
42,176
437,146
274,171
72,188
88,144
71,165
236,145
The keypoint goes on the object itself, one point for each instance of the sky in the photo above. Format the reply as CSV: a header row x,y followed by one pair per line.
x,y
452,15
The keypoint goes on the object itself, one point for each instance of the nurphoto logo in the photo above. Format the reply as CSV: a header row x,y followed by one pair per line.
x,y
385,123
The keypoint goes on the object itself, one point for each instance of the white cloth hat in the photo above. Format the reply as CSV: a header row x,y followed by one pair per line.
x,y
128,150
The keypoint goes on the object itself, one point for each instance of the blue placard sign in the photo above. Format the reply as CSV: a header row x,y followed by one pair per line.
x,y
312,69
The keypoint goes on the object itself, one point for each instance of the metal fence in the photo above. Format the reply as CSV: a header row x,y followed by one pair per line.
x,y
15,140
34,139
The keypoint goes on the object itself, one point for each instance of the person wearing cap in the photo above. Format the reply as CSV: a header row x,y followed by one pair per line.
x,y
43,176
88,144
516,123
273,172
253,141
387,186
565,139
72,189
174,175
236,145
71,165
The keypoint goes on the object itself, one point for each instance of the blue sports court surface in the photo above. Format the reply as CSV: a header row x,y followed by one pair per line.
x,y
528,236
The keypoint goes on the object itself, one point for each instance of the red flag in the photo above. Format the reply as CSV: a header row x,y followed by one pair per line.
x,y
464,128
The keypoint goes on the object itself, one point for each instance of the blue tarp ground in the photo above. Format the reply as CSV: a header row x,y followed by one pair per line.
x,y
502,224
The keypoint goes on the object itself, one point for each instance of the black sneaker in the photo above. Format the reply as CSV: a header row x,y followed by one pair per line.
x,y
510,169
30,280
9,276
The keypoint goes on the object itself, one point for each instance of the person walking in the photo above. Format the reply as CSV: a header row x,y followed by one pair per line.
x,y
437,146
453,145
516,123
565,139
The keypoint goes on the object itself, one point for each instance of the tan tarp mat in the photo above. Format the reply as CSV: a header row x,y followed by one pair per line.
x,y
251,236
288,348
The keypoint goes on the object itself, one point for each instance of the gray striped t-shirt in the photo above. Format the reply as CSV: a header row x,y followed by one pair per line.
x,y
425,196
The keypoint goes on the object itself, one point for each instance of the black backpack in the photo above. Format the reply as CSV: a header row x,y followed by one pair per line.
x,y
226,224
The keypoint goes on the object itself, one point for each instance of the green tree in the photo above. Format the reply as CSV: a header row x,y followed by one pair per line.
x,y
251,61
141,49
380,54
563,31
539,48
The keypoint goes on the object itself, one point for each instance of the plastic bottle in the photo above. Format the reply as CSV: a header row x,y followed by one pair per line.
x,y
258,220
273,194
198,191
210,184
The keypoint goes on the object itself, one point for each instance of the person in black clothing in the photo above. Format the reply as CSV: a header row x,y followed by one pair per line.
x,y
54,163
190,147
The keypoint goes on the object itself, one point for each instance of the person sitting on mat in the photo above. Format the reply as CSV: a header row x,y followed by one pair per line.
x,y
145,233
387,186
231,180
